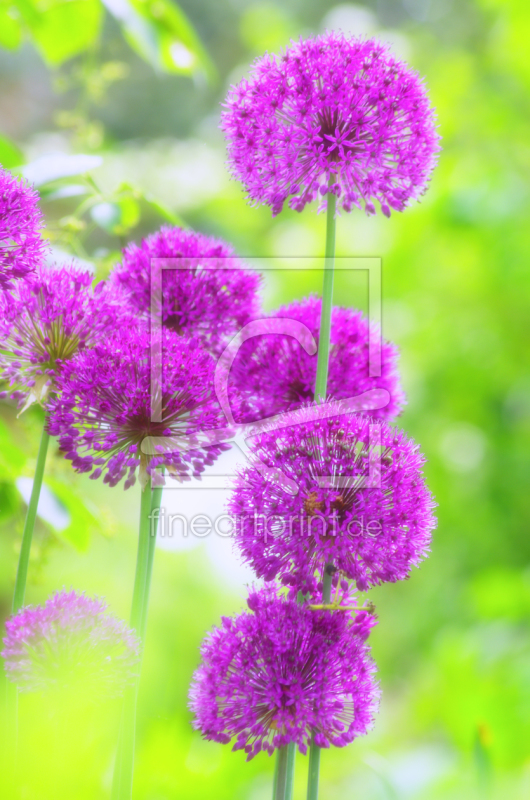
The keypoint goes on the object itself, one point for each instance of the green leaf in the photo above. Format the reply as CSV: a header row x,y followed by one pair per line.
x,y
83,523
10,31
130,214
9,500
117,217
12,457
62,29
10,155
106,215
159,31
139,33
181,48
164,211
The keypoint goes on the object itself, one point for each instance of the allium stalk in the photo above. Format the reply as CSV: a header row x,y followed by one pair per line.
x,y
284,773
320,394
327,301
284,776
313,777
22,569
149,511
27,535
321,386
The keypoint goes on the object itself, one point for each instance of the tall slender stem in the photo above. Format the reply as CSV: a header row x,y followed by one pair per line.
x,y
321,383
314,770
320,395
27,535
156,500
314,750
19,592
284,774
149,513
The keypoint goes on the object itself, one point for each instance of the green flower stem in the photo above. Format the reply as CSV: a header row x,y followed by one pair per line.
x,y
20,590
156,500
314,770
314,750
320,395
27,536
284,773
149,512
321,384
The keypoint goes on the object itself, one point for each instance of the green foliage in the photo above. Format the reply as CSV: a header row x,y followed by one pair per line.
x,y
157,30
61,29
10,154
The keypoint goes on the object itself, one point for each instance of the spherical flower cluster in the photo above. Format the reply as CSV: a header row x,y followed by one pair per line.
x,y
274,373
206,292
333,113
45,321
21,245
281,671
359,502
70,640
102,412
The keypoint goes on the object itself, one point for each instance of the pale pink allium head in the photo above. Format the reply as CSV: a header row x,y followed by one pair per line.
x,y
70,640
281,671
208,293
21,245
333,113
371,533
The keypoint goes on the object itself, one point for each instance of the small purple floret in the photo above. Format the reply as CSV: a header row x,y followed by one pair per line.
x,y
102,411
333,113
372,535
21,244
273,372
281,670
211,296
45,320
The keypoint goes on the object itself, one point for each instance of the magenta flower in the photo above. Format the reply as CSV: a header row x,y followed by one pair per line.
x,y
70,640
276,673
339,515
332,113
102,411
211,296
273,372
21,245
44,321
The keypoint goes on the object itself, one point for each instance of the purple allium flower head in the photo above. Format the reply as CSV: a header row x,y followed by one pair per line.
x,y
70,640
335,113
274,373
338,514
47,319
21,245
102,411
210,296
278,672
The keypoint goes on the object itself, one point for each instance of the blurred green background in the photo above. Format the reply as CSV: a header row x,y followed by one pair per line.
x,y
136,87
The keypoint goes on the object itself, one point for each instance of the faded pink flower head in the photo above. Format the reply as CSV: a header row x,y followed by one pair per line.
x,y
70,640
